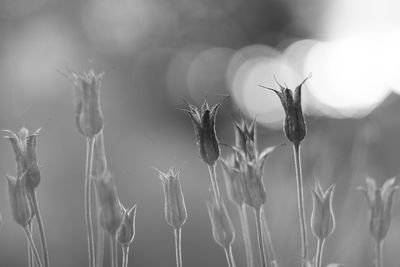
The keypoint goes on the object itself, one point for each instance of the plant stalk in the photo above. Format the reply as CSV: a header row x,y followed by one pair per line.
x,y
31,244
35,207
88,202
320,247
114,250
246,234
30,252
214,182
229,256
100,245
125,255
261,245
300,203
268,240
178,246
378,253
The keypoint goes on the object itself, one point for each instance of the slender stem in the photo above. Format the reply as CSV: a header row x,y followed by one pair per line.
x,y
261,246
214,183
100,245
378,253
178,246
114,250
32,245
125,255
320,247
300,203
268,240
35,207
246,234
88,202
30,252
229,256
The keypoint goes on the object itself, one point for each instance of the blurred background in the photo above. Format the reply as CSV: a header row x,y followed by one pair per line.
x,y
155,52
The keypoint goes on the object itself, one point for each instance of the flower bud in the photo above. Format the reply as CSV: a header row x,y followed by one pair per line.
x,y
88,114
126,232
110,216
204,128
175,208
18,199
99,168
233,179
222,226
24,146
294,125
322,216
380,203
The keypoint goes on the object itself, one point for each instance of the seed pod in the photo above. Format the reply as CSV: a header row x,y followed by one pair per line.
x,y
222,226
203,120
294,125
380,203
99,168
322,216
88,114
175,207
24,146
109,210
233,179
18,199
126,232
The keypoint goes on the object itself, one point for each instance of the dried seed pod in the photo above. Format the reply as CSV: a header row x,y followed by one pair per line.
x,y
203,120
294,125
88,115
126,232
322,216
380,201
222,226
108,204
18,199
175,207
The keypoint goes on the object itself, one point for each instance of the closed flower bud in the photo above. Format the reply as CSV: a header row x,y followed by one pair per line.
x,y
99,168
222,226
88,114
175,208
233,179
24,146
380,203
322,216
126,232
108,204
246,138
18,198
294,125
203,120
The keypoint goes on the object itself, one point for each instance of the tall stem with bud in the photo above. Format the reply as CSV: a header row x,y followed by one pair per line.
x,y
88,202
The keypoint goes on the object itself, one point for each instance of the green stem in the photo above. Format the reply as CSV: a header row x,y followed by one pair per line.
x,y
246,234
35,207
320,247
378,253
229,256
114,250
300,203
88,202
178,246
214,182
268,240
32,245
261,246
125,255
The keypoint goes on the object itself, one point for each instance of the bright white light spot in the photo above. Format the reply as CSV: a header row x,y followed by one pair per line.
x,y
347,75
